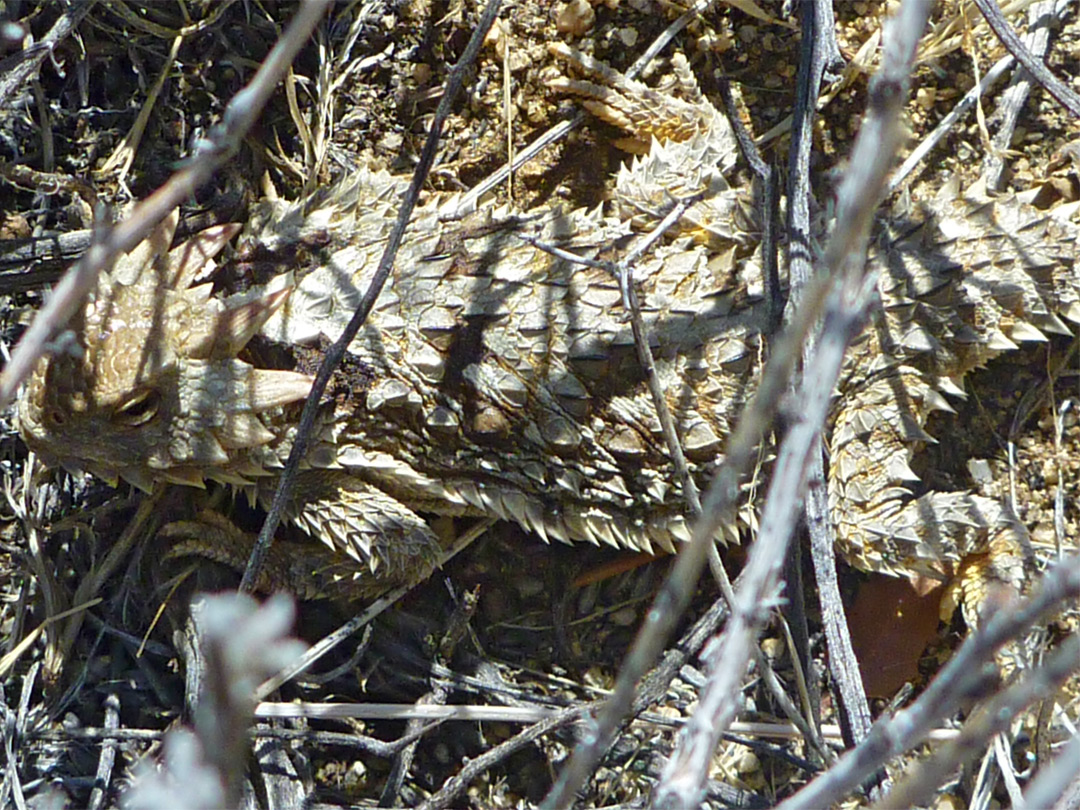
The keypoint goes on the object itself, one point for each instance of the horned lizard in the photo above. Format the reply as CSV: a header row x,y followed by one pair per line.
x,y
494,379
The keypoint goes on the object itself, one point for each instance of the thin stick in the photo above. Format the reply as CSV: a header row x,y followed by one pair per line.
x,y
107,757
919,153
645,356
959,678
683,779
1039,72
327,643
32,57
336,352
503,714
1054,782
817,20
991,719
1012,101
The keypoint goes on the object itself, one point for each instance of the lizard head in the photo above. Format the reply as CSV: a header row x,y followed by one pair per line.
x,y
148,385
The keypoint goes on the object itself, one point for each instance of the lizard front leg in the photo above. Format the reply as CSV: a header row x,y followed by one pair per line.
x,y
388,541
370,542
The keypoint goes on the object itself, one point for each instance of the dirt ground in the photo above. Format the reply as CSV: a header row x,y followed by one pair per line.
x,y
111,115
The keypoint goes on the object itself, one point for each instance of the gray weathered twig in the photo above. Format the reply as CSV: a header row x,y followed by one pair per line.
x,y
1015,96
241,642
28,61
922,779
683,779
842,662
892,736
1051,83
722,496
1054,781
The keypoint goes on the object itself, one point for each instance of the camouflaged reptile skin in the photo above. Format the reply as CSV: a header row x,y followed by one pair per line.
x,y
494,379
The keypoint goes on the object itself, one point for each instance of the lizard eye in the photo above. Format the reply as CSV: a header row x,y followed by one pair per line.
x,y
56,418
138,409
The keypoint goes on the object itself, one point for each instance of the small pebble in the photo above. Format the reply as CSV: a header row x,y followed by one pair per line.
x,y
773,648
574,18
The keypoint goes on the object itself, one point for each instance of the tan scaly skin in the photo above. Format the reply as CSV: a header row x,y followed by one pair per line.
x,y
493,379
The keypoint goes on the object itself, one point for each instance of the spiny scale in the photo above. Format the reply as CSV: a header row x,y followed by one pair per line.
x,y
493,379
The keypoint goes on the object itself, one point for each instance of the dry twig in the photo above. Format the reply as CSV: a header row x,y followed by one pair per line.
x,y
1039,72
683,778
334,354
960,677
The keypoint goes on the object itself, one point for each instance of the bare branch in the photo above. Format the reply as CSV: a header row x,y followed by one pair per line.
x,y
683,778
30,59
1051,83
1054,782
1040,18
959,678
722,496
330,641
241,642
994,717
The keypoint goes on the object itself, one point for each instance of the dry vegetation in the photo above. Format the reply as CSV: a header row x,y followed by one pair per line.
x,y
117,105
